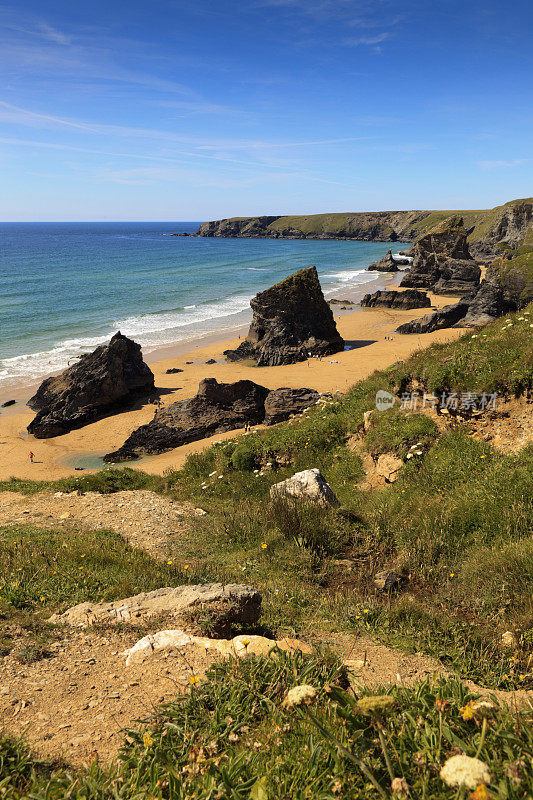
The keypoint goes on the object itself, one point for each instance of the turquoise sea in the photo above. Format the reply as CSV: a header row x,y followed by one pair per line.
x,y
67,287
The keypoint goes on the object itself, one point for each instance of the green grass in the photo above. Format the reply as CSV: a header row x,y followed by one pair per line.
x,y
105,481
231,737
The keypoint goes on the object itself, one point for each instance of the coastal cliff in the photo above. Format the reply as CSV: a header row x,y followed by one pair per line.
x,y
507,224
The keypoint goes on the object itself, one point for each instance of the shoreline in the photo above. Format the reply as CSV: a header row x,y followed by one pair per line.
x,y
364,330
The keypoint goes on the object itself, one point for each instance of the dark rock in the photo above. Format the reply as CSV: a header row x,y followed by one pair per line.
x,y
442,261
291,320
8,403
410,298
216,408
189,362
387,263
101,382
391,582
211,361
457,276
444,318
335,302
281,403
173,370
489,303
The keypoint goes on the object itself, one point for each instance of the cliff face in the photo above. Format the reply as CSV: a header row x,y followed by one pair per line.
x,y
379,226
506,224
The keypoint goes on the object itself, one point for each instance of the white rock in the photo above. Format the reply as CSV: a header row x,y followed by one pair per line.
x,y
509,640
306,485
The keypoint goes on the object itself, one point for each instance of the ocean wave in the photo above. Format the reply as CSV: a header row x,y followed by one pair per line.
x,y
150,330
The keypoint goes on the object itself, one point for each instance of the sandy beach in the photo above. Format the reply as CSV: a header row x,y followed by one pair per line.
x,y
364,330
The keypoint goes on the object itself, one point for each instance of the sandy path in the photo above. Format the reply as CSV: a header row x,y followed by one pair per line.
x,y
365,330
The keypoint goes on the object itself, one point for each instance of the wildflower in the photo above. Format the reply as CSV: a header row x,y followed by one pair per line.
x,y
465,771
170,562
194,679
452,574
400,787
264,546
376,704
147,740
481,793
186,566
212,473
300,695
233,737
478,709
441,705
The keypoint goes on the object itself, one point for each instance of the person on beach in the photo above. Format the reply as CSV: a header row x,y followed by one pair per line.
x,y
32,456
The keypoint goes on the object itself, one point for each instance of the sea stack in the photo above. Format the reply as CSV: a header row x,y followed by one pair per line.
x,y
291,321
101,382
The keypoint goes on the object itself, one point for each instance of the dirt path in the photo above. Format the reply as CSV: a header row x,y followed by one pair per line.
x,y
145,519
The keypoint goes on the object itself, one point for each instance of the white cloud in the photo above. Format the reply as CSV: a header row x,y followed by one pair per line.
x,y
496,164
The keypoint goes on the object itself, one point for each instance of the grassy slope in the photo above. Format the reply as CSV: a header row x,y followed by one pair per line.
x,y
459,518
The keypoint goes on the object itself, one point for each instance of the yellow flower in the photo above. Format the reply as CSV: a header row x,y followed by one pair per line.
x,y
452,574
194,679
467,712
481,793
147,740
186,566
264,546
170,562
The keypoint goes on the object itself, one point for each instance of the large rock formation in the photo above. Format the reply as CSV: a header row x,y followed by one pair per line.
x,y
216,408
500,293
101,382
281,403
410,298
291,320
388,263
442,261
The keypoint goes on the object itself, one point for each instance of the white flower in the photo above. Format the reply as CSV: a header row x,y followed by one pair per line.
x,y
418,452
521,317
475,336
399,787
465,771
212,473
300,695
409,455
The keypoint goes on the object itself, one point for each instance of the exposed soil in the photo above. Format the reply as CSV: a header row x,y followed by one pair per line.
x,y
145,519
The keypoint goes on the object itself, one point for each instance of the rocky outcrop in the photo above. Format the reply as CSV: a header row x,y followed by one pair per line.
x,y
230,604
307,485
216,408
101,382
410,298
238,227
506,225
388,263
280,404
442,262
446,317
291,321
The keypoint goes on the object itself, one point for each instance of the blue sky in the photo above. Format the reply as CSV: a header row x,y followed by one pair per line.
x,y
204,109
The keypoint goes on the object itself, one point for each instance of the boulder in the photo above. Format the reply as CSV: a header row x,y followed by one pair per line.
x,y
173,370
307,485
388,465
216,408
444,318
8,403
388,263
238,647
335,302
291,321
281,403
411,298
229,604
102,382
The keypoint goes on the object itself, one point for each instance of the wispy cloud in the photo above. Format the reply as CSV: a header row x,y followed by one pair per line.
x,y
366,40
497,164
